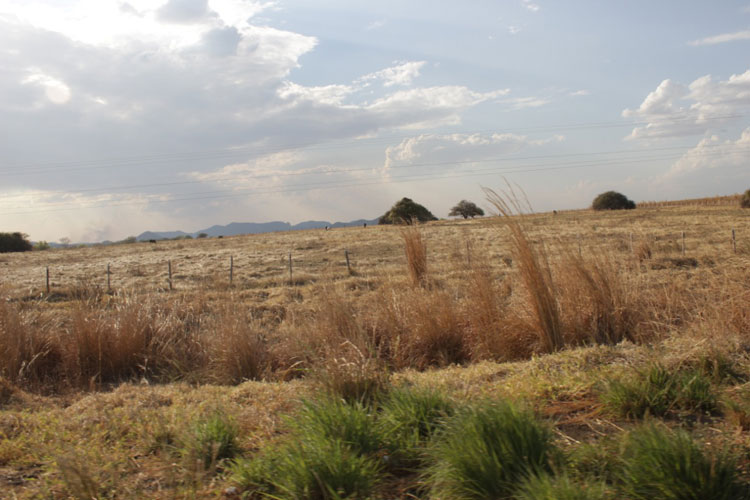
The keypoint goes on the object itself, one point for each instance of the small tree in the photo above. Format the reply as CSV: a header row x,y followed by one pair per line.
x,y
14,242
745,200
466,209
404,211
612,200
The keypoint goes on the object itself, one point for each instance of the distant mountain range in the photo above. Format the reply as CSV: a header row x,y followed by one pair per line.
x,y
237,228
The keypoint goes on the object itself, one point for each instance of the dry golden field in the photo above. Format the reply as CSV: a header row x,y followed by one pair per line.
x,y
103,392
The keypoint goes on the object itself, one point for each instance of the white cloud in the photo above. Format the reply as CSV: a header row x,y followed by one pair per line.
x,y
402,73
331,95
462,149
375,25
722,38
577,93
711,153
674,109
531,6
55,90
513,30
527,102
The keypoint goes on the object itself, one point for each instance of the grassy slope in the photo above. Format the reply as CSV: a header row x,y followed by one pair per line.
x,y
127,441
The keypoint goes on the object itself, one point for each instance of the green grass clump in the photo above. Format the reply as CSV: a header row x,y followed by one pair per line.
x,y
658,391
597,460
669,465
314,469
336,420
409,418
547,487
214,439
487,451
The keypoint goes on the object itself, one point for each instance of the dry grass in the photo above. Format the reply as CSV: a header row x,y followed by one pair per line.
x,y
416,254
535,271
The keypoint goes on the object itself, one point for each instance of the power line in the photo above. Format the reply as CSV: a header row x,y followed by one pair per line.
x,y
256,151
362,169
335,185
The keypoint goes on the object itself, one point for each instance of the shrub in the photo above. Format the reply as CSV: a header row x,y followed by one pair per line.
x,y
660,463
745,200
612,200
658,391
42,245
202,235
14,242
487,451
405,211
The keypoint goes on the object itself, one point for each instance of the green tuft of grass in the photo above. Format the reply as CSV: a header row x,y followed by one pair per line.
x,y
336,420
548,487
665,464
409,418
316,469
487,451
214,439
658,391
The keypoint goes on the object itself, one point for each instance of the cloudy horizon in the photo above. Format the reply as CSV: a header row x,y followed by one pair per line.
x,y
124,116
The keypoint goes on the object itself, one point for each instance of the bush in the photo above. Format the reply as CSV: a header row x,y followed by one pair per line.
x,y
665,464
14,242
745,200
42,245
488,451
612,200
405,211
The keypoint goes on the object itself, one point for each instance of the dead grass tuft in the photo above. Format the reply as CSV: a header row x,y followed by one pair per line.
x,y
416,254
534,268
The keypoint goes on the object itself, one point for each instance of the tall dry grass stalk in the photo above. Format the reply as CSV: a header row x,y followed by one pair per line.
x,y
236,347
416,254
534,269
597,304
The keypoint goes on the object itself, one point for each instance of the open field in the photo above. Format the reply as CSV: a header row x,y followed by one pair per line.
x,y
112,393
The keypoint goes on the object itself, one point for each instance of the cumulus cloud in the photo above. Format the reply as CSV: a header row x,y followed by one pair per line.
x,y
173,100
531,6
183,11
674,109
712,153
722,38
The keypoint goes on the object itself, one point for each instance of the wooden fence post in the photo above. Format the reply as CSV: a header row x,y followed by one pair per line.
x,y
47,268
169,271
631,242
348,267
109,283
231,268
734,242
683,243
290,268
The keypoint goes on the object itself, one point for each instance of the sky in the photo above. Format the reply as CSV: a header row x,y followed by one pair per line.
x,y
118,117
